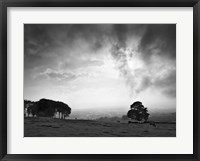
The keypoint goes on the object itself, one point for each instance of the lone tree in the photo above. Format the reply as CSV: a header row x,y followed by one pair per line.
x,y
138,112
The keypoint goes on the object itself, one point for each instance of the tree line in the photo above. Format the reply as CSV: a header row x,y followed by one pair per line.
x,y
49,108
46,108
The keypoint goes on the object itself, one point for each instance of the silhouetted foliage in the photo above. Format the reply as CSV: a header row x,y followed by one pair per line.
x,y
27,105
48,108
138,112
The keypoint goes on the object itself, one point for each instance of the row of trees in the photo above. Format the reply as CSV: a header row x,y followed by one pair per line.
x,y
47,108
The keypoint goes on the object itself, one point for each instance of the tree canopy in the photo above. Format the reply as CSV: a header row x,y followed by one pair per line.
x,y
138,112
48,108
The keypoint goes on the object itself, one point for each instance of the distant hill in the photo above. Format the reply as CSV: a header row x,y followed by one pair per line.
x,y
116,114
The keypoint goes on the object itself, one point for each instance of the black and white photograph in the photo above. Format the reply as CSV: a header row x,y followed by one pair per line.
x,y
99,80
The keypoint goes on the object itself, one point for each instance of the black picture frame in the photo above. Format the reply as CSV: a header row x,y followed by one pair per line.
x,y
4,4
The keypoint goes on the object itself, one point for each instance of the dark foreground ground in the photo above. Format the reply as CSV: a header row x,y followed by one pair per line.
x,y
49,127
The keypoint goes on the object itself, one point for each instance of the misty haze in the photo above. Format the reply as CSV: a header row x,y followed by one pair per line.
x,y
99,80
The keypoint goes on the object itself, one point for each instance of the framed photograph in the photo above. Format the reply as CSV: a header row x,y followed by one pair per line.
x,y
109,80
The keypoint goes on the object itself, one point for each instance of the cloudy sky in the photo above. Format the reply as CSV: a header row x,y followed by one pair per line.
x,y
101,65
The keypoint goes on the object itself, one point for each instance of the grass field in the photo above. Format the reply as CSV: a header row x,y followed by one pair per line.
x,y
49,127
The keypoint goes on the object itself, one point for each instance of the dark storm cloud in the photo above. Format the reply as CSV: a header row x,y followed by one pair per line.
x,y
39,36
44,44
123,32
158,40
